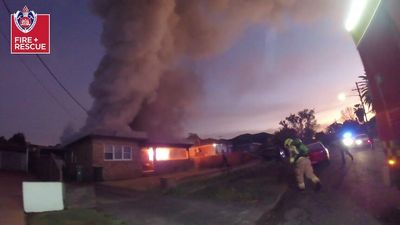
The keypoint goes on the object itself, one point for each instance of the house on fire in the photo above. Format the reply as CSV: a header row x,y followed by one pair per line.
x,y
209,147
103,157
212,153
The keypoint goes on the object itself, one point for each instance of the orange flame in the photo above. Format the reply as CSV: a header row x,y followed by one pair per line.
x,y
161,154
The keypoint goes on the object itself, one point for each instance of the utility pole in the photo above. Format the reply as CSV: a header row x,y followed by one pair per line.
x,y
361,100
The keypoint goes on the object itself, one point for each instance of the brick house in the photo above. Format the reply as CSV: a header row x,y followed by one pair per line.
x,y
209,147
102,157
212,153
167,157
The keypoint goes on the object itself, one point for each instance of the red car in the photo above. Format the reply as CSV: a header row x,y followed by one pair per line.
x,y
318,153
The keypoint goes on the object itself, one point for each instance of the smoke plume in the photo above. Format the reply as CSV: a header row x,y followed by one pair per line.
x,y
143,81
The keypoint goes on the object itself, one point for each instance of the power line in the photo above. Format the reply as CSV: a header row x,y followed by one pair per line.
x,y
60,84
6,6
35,76
52,73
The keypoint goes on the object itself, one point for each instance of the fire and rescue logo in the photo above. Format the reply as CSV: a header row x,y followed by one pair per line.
x,y
30,32
25,20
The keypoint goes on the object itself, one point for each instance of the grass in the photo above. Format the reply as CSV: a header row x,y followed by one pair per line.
x,y
255,184
72,217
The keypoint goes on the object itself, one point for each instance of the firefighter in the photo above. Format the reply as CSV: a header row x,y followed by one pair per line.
x,y
299,157
345,151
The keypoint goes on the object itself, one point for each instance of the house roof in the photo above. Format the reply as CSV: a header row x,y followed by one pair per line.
x,y
210,141
101,136
169,143
141,139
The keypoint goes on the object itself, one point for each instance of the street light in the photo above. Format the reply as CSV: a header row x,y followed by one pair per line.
x,y
342,96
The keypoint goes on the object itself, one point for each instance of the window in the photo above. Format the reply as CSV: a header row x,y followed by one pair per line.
x,y
127,152
117,152
108,152
315,146
362,136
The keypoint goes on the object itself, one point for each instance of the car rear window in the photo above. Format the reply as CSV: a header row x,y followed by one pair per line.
x,y
315,146
362,136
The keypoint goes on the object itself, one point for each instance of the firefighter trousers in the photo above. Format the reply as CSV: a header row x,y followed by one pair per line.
x,y
304,168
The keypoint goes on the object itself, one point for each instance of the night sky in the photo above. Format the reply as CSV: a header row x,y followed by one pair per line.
x,y
268,73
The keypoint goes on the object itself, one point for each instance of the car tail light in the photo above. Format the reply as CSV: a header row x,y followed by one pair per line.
x,y
391,162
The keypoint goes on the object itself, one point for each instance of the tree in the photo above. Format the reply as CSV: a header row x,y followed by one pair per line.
x,y
303,124
348,114
18,138
333,132
365,92
351,126
334,128
370,126
195,138
3,140
359,112
282,134
323,137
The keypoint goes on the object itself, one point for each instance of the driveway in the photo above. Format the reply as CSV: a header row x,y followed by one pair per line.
x,y
352,194
11,207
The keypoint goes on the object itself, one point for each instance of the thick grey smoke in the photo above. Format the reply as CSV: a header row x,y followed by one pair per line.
x,y
143,81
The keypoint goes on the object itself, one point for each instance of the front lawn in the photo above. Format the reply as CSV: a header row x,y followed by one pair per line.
x,y
256,184
72,217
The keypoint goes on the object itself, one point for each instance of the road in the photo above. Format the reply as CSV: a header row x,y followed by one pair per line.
x,y
353,194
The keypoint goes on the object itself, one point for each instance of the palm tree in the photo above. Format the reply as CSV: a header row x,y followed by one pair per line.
x,y
365,92
359,112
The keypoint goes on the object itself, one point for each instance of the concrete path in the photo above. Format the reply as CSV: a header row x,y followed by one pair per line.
x,y
11,206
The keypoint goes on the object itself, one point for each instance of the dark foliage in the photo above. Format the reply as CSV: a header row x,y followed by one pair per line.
x,y
18,138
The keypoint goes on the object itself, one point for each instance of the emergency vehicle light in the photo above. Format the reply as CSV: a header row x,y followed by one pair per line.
x,y
347,135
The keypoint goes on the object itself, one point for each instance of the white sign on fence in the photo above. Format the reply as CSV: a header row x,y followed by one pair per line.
x,y
42,196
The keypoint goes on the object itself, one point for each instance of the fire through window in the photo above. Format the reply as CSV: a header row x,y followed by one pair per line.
x,y
161,154
166,153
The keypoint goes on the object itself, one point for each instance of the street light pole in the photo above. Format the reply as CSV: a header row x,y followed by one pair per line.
x,y
361,100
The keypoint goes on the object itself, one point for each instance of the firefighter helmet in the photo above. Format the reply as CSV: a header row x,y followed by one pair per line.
x,y
288,142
